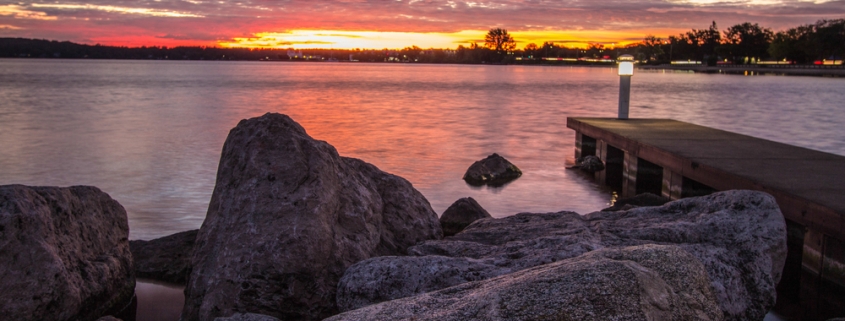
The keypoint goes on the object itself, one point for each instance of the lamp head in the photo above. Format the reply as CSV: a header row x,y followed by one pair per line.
x,y
626,65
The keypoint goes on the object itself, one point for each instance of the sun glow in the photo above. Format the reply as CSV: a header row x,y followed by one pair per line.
x,y
340,39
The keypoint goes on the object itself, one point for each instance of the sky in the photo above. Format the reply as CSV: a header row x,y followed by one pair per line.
x,y
395,24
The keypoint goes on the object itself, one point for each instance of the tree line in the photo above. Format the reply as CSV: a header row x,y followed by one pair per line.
x,y
748,43
740,44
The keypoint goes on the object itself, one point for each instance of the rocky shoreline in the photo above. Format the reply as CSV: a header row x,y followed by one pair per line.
x,y
296,232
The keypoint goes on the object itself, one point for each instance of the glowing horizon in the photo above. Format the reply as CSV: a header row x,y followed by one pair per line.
x,y
394,24
344,39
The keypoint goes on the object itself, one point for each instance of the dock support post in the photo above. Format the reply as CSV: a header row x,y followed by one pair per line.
x,y
601,153
629,176
672,184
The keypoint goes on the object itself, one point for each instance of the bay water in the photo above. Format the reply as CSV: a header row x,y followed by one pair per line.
x,y
150,133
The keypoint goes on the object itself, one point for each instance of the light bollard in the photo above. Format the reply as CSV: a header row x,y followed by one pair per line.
x,y
626,70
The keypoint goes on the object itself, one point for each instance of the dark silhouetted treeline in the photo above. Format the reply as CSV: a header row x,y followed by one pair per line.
x,y
821,42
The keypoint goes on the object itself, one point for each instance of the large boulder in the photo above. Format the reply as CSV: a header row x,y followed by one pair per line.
x,y
494,170
739,236
64,254
165,259
648,282
460,215
287,217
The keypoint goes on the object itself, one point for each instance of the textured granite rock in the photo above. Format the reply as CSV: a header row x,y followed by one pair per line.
x,y
287,217
247,317
64,254
165,259
493,170
644,199
461,214
648,282
739,237
411,275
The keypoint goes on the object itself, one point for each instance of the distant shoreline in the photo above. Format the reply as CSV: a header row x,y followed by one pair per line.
x,y
751,70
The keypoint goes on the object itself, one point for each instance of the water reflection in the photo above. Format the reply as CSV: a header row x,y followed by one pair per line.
x,y
149,133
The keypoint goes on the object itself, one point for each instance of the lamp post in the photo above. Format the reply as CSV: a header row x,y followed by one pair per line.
x,y
626,70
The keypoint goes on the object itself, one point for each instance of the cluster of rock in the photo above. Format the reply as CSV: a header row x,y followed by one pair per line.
x,y
296,232
739,237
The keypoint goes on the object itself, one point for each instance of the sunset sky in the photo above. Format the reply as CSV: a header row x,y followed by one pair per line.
x,y
388,23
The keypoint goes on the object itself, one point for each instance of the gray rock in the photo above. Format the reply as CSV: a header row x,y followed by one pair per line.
x,y
590,164
287,217
644,199
109,318
247,317
64,254
411,275
648,282
460,215
165,259
494,170
739,236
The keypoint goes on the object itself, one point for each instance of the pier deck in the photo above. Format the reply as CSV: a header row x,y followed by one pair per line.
x,y
809,185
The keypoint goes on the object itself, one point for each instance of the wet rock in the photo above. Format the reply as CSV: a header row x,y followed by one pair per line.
x,y
166,259
739,237
247,317
493,170
644,199
461,214
64,254
648,282
590,164
287,217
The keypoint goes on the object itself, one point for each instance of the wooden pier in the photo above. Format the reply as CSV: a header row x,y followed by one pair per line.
x,y
678,159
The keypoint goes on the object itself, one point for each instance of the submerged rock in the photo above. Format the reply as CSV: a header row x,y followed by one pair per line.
x,y
287,217
165,259
461,214
64,254
648,282
493,170
590,164
644,199
738,236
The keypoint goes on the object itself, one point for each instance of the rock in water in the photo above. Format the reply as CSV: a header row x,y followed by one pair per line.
x,y
739,236
648,282
460,215
287,217
493,170
165,259
644,199
64,254
590,164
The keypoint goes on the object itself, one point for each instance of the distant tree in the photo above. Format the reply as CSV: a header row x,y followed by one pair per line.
x,y
650,48
745,42
829,37
499,40
531,50
792,44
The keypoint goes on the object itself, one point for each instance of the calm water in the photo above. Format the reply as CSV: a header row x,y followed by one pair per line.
x,y
149,133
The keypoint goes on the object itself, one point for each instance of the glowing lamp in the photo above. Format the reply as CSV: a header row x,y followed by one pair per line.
x,y
626,70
